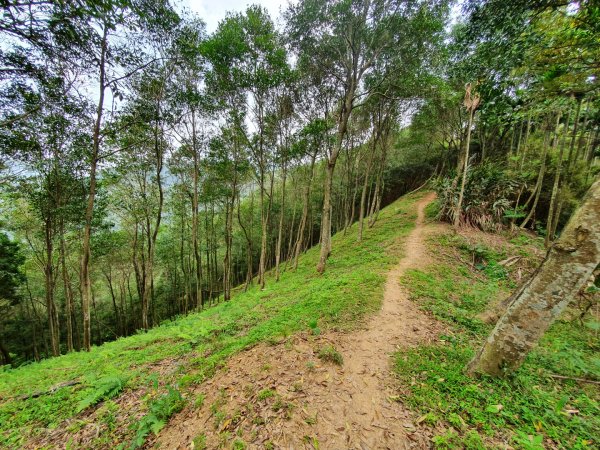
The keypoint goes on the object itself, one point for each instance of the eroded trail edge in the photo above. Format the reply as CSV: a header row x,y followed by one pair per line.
x,y
284,397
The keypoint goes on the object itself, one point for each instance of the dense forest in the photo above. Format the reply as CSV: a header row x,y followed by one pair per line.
x,y
148,168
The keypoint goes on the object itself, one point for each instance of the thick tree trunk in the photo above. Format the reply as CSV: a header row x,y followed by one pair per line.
x,y
568,265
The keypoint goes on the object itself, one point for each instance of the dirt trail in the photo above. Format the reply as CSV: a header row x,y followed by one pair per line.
x,y
313,404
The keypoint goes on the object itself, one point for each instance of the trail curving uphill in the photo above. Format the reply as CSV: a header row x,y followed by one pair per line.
x,y
283,396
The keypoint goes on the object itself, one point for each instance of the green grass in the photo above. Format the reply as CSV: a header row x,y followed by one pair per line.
x,y
432,210
528,410
330,354
351,287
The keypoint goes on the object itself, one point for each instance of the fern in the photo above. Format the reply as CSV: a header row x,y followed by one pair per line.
x,y
161,409
104,389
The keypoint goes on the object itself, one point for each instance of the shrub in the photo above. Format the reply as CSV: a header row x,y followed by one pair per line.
x,y
160,410
488,197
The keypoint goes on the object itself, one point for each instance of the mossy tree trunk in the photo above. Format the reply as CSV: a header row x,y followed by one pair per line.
x,y
568,265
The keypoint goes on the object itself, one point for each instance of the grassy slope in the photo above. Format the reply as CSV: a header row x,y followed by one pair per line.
x,y
350,288
536,411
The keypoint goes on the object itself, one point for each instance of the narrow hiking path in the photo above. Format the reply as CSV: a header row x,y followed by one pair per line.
x,y
282,396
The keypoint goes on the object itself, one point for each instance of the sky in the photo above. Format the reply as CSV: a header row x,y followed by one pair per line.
x,y
213,11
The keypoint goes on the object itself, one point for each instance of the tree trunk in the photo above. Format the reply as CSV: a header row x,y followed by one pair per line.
x,y
199,301
304,218
542,172
331,161
113,296
554,197
6,359
363,195
326,219
208,260
591,146
568,265
49,289
354,191
582,139
461,194
86,285
379,184
525,143
288,253
263,239
228,243
68,292
281,217
248,236
573,136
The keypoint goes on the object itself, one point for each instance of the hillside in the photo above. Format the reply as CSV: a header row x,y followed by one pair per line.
x,y
137,370
275,368
312,224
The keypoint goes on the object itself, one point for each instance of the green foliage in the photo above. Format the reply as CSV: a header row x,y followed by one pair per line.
x,y
160,410
489,195
238,444
265,394
432,210
528,407
199,401
350,289
329,353
11,277
106,388
450,296
314,328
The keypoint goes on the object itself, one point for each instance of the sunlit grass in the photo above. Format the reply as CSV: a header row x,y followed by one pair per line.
x,y
528,410
351,287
